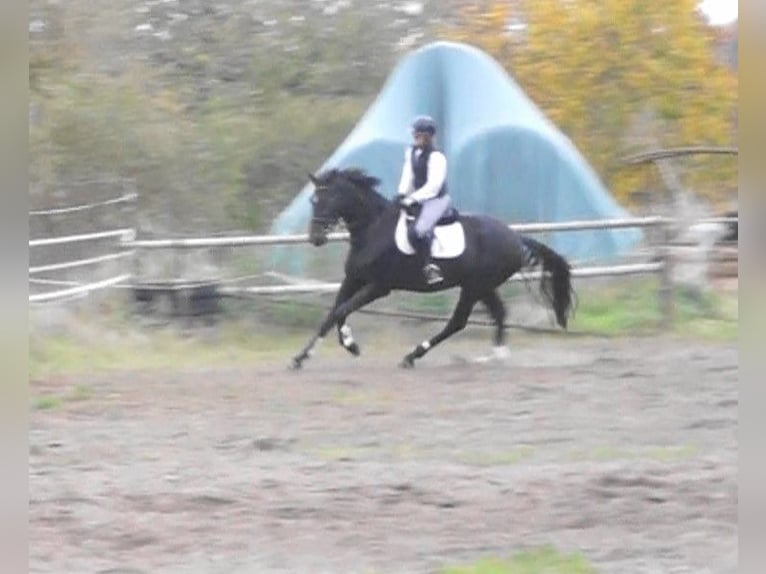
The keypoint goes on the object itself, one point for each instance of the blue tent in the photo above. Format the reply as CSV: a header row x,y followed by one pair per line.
x,y
505,157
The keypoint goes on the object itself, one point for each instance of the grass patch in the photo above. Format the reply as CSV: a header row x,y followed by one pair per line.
x,y
670,453
497,458
404,451
81,393
252,332
438,303
336,453
294,314
86,352
660,453
546,560
361,397
48,402
111,342
617,308
632,308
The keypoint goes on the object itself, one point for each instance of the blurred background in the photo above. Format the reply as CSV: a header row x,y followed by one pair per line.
x,y
166,434
217,110
211,114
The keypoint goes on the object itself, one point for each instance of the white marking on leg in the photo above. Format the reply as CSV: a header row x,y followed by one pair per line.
x,y
501,352
346,336
425,345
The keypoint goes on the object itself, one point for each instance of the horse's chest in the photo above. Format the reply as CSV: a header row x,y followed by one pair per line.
x,y
371,265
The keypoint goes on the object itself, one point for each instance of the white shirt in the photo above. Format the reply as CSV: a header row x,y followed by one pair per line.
x,y
437,173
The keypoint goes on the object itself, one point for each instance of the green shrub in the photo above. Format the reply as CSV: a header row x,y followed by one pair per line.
x,y
545,560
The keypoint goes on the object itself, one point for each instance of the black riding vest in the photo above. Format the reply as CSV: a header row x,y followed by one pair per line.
x,y
420,169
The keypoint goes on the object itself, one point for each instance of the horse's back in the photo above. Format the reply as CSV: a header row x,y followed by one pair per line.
x,y
489,227
492,240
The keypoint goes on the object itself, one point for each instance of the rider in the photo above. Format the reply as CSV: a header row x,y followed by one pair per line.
x,y
423,182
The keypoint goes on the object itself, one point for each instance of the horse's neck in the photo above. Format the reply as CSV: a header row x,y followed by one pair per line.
x,y
376,231
376,204
368,212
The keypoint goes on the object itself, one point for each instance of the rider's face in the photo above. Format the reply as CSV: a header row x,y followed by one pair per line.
x,y
421,138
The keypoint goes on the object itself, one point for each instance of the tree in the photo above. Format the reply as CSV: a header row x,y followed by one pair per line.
x,y
616,75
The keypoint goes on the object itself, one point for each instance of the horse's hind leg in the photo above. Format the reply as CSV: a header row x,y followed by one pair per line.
x,y
457,322
496,309
346,338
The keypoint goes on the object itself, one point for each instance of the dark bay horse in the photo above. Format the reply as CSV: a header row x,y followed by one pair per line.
x,y
488,253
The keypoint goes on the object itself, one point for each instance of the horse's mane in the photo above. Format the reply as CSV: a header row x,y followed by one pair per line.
x,y
355,175
358,177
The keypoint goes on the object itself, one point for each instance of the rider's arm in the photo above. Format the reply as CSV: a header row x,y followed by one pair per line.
x,y
405,182
437,173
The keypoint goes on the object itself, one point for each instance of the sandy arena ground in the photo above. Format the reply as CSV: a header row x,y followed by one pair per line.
x,y
623,449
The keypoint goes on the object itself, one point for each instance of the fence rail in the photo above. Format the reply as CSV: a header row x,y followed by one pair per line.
x,y
122,233
79,290
123,194
130,247
650,156
245,240
616,270
255,240
81,262
126,198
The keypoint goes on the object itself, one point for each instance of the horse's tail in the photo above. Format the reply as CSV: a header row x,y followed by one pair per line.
x,y
556,280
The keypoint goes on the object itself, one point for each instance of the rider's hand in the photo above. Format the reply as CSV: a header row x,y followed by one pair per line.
x,y
406,201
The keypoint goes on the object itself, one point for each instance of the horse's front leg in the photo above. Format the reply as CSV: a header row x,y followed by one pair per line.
x,y
338,314
345,335
347,289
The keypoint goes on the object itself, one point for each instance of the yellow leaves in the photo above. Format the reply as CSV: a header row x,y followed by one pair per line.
x,y
596,66
168,101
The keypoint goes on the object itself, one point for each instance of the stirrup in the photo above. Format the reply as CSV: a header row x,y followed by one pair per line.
x,y
432,274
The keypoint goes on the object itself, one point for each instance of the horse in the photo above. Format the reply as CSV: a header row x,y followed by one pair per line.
x,y
476,253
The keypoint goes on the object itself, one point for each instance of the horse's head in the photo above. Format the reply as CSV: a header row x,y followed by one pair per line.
x,y
339,195
326,204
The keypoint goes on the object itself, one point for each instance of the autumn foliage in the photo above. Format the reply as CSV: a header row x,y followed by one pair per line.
x,y
618,76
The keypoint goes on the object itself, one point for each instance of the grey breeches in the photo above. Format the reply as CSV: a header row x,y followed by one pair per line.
x,y
432,210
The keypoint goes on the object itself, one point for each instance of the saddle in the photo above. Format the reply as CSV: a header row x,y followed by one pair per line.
x,y
450,216
447,239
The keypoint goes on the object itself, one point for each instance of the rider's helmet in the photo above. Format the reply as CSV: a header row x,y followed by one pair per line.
x,y
424,124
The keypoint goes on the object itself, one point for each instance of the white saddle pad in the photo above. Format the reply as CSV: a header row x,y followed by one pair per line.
x,y
448,243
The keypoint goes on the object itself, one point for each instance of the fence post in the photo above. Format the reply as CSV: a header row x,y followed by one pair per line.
x,y
666,294
132,216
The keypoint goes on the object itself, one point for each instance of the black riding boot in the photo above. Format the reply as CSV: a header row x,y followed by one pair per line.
x,y
431,271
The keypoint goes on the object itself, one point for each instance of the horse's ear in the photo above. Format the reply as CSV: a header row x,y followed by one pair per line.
x,y
312,178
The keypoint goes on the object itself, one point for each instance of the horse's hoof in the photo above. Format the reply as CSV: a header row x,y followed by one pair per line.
x,y
354,349
296,364
500,355
407,363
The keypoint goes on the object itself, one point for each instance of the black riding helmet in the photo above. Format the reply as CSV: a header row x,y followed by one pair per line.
x,y
424,124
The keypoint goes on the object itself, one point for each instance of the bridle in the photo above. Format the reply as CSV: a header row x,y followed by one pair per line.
x,y
325,223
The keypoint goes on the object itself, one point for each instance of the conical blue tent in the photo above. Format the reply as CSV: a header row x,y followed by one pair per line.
x,y
505,157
